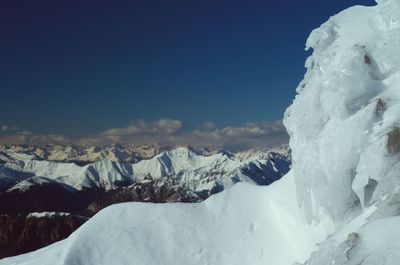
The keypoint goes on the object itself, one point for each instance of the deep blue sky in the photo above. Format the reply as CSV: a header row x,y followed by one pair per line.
x,y
80,67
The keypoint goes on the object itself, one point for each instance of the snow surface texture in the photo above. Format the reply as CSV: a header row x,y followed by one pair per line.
x,y
247,224
345,137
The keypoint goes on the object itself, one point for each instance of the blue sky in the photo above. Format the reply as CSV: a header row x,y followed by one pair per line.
x,y
81,67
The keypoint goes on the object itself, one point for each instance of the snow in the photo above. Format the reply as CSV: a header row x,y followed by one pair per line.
x,y
81,153
53,214
46,214
196,172
263,153
344,110
338,205
26,184
344,135
380,242
244,225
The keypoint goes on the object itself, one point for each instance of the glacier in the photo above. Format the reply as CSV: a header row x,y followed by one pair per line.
x,y
338,205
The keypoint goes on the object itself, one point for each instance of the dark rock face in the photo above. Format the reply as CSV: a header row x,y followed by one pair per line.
x,y
9,177
46,197
22,193
393,143
152,191
265,174
20,234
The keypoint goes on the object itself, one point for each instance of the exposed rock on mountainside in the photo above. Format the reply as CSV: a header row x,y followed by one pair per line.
x,y
247,224
83,155
150,191
124,153
182,165
21,233
46,196
29,184
339,204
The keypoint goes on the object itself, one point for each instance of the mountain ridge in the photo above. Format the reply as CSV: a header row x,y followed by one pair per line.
x,y
182,164
30,184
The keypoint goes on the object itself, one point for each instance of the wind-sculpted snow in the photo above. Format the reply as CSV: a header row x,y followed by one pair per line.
x,y
346,108
29,184
342,195
247,224
345,137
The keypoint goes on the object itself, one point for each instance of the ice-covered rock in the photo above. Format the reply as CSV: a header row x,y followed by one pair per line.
x,y
346,110
343,191
345,137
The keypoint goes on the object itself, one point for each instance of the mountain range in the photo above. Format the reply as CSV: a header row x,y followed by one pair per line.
x,y
41,182
339,203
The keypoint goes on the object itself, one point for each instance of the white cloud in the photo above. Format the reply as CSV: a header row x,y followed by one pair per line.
x,y
14,135
140,127
171,132
7,128
249,135
26,137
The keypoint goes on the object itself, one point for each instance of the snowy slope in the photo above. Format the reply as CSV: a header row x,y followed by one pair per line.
x,y
344,128
244,225
196,172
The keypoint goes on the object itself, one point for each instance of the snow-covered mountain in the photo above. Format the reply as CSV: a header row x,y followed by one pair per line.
x,y
338,205
182,165
30,184
124,153
86,154
247,224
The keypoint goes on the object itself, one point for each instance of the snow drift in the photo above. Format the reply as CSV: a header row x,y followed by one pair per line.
x,y
343,191
247,224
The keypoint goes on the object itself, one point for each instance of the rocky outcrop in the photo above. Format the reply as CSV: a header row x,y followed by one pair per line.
x,y
50,196
20,233
393,143
151,191
30,184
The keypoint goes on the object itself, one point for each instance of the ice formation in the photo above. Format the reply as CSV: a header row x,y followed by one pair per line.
x,y
346,109
344,128
343,191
